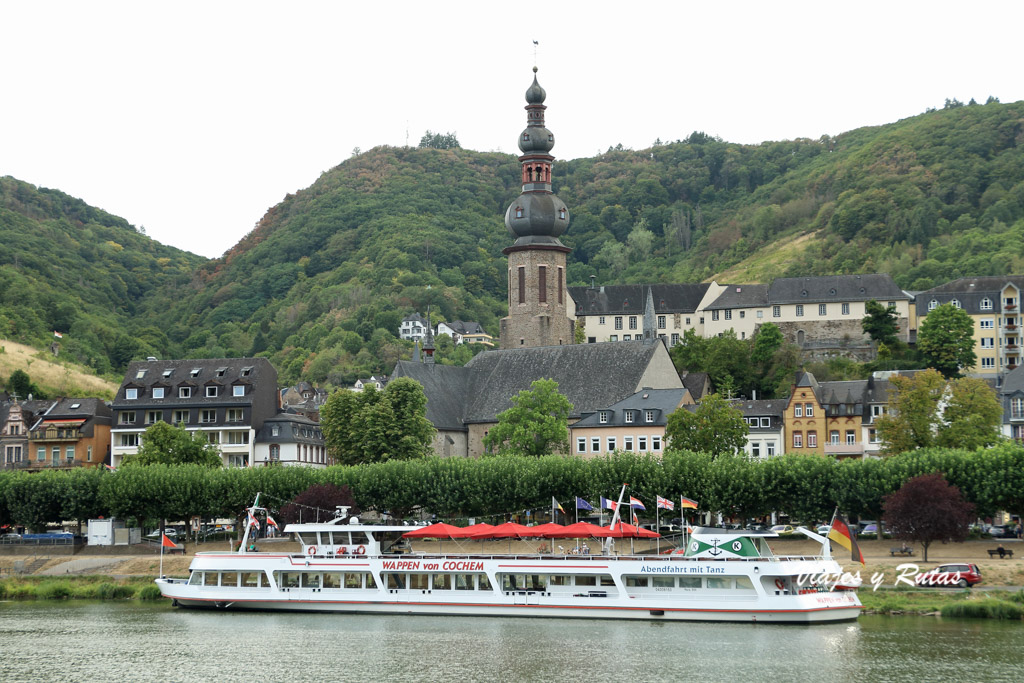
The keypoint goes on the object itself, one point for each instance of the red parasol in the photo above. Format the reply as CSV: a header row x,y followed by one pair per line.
x,y
623,530
439,530
506,530
580,530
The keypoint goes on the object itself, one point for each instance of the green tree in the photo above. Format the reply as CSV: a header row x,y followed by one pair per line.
x,y
946,340
439,140
880,323
166,444
19,383
714,427
972,415
536,424
640,240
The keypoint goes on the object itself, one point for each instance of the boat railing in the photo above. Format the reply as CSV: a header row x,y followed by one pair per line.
x,y
605,558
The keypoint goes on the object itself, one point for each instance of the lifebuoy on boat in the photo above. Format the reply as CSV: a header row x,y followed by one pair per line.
x,y
361,550
341,551
311,550
780,584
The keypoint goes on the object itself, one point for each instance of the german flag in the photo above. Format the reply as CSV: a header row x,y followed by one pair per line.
x,y
687,503
841,534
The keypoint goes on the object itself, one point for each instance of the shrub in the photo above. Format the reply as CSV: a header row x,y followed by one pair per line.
x,y
53,590
150,592
114,591
988,608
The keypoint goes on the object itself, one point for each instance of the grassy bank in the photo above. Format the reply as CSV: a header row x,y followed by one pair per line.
x,y
78,588
948,603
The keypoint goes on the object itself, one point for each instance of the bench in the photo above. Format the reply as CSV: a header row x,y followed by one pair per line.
x,y
901,551
1001,552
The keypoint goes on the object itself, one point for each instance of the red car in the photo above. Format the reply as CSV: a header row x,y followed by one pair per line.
x,y
962,575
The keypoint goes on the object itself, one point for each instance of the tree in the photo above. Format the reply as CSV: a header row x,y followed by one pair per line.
x,y
373,426
714,427
880,323
318,503
640,240
536,424
166,444
439,140
946,340
972,415
928,509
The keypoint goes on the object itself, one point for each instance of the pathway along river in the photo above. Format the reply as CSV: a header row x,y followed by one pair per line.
x,y
83,641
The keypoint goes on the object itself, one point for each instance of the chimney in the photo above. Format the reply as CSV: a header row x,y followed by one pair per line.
x,y
592,279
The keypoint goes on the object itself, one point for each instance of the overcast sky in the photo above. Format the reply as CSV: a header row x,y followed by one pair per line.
x,y
193,118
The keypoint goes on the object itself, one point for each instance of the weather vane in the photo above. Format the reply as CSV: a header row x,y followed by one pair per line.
x,y
535,44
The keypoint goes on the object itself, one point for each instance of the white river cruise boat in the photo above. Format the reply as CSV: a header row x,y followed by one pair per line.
x,y
347,566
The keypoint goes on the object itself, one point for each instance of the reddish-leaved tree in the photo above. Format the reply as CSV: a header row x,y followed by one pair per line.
x,y
318,503
928,509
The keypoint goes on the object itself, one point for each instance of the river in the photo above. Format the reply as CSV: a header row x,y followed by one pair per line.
x,y
92,641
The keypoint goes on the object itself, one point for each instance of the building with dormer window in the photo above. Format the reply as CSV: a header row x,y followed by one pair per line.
x,y
227,399
634,424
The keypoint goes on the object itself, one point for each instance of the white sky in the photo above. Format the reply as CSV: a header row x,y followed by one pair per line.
x,y
193,118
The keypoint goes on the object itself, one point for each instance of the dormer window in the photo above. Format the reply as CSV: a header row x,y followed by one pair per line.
x,y
629,417
246,370
519,212
211,391
140,374
956,303
986,304
195,372
167,372
221,371
649,415
526,137
932,305
238,390
131,394
603,417
184,392
561,214
158,392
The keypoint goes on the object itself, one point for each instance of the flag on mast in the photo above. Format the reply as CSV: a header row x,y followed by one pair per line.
x,y
635,503
841,534
582,504
687,503
166,542
665,504
557,505
608,504
272,522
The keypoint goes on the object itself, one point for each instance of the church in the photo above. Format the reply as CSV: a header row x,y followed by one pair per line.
x,y
536,337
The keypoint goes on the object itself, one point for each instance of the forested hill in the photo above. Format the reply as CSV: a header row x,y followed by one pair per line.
x,y
321,284
70,268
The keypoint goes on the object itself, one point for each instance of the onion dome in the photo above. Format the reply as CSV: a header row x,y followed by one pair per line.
x,y
535,94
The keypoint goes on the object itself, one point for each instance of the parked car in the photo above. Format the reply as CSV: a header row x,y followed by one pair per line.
x,y
757,526
784,529
824,529
1002,531
10,538
962,575
171,533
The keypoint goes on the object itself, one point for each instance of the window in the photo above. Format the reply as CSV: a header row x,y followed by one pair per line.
x,y
126,417
602,417
766,422
542,284
595,444
154,416
987,323
618,322
822,309
988,342
88,453
611,444
872,436
798,440
851,437
833,437
728,314
986,304
129,440
769,448
1009,302
632,322
878,411
69,453
211,391
629,416
799,310
661,322
627,443
743,314
760,313
131,394
628,337
180,417
158,392
195,372
600,320
168,371
581,444
656,442
687,322
988,362
808,410
714,315
235,415
238,390
846,309
522,284
213,437
41,453
956,303
207,416
613,337
798,410
812,439
56,453
648,416
238,438
1017,408
641,444
776,311
675,339
184,392
932,305
755,449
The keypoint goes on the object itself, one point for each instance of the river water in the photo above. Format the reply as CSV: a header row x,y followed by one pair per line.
x,y
89,641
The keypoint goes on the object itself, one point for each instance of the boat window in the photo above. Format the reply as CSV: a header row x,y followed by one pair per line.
x,y
388,539
307,538
353,580
395,581
310,580
419,581
664,581
195,579
229,579
210,578
743,583
559,580
689,582
636,581
484,583
463,582
340,538
719,582
370,582
289,579
607,580
359,538
251,579
586,580
332,579
442,582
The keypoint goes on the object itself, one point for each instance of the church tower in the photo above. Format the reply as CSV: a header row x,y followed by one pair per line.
x,y
536,260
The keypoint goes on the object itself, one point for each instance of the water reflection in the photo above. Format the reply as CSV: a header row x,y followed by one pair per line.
x,y
104,641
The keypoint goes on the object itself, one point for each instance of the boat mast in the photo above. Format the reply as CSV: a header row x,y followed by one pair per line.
x,y
250,516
